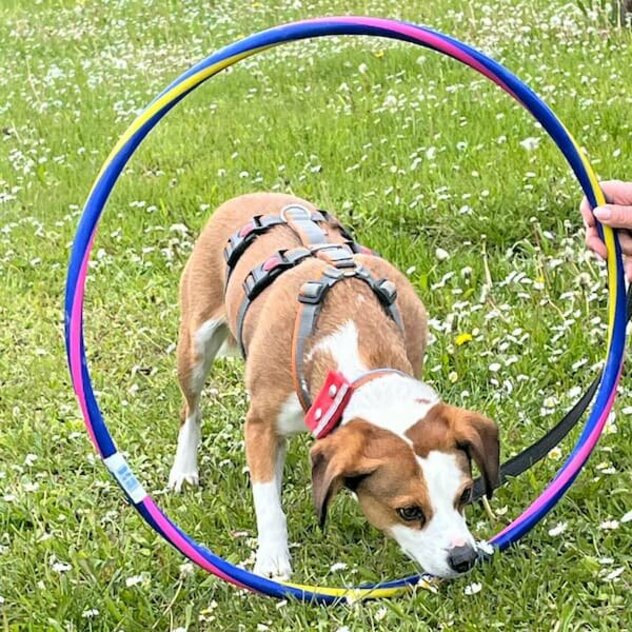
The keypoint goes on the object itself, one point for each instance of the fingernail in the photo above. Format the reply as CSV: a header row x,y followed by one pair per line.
x,y
603,212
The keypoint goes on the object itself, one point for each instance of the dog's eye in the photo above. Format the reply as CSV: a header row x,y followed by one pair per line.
x,y
410,514
466,497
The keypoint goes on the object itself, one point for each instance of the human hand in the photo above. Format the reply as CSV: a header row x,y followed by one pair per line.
x,y
617,215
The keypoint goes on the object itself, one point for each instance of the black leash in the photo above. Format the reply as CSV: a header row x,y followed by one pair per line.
x,y
536,452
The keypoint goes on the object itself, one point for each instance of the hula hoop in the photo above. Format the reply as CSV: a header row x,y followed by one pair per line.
x,y
122,152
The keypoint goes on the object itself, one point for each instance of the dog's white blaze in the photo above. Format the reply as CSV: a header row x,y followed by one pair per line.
x,y
273,553
447,528
185,468
343,347
290,419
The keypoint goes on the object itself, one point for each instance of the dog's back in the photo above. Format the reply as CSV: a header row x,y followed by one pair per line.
x,y
205,273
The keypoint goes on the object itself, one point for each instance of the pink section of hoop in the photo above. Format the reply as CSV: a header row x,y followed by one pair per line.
x,y
182,544
75,340
428,38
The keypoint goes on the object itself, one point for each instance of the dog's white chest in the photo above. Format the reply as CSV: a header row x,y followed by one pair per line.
x,y
291,417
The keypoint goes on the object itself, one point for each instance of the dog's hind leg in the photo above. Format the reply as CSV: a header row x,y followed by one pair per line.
x,y
197,349
198,345
203,331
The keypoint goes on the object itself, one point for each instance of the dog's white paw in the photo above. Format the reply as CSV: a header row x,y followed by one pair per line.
x,y
178,478
274,560
185,468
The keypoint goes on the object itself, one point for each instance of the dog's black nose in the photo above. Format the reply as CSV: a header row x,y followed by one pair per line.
x,y
462,558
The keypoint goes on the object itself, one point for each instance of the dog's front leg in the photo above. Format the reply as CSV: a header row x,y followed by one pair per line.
x,y
265,452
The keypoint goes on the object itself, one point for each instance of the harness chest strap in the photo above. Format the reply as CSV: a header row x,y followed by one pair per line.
x,y
311,296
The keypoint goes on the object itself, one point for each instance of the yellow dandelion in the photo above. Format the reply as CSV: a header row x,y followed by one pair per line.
x,y
461,339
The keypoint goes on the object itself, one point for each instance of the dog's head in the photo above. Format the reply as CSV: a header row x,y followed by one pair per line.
x,y
413,487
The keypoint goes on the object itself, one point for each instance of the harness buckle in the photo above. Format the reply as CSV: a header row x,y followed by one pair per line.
x,y
231,253
239,241
386,291
254,225
262,276
311,292
338,255
250,283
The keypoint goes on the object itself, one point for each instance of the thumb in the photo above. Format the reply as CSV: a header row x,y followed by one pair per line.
x,y
615,215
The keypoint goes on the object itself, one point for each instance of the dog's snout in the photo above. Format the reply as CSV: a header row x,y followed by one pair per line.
x,y
462,558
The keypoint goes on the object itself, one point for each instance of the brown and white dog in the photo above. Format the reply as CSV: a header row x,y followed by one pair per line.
x,y
404,452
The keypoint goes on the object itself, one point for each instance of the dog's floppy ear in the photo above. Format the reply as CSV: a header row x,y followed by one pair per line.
x,y
337,461
478,436
326,479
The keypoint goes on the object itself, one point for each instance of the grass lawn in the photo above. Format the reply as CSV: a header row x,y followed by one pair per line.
x,y
412,150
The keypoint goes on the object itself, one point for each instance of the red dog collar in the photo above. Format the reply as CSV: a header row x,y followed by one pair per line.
x,y
325,414
329,405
